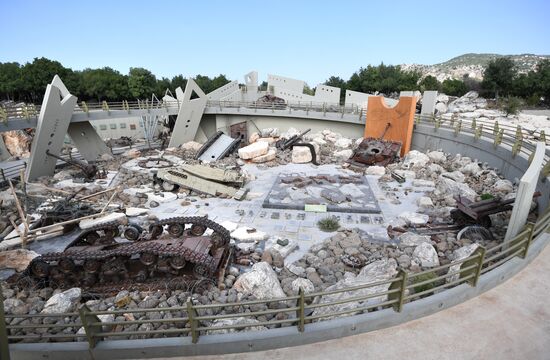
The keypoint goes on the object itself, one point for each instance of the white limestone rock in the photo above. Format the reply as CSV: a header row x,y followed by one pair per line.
x,y
271,155
437,156
343,143
379,270
17,259
62,302
412,239
251,151
160,198
248,234
191,146
440,108
455,175
272,246
301,155
318,140
425,202
415,159
504,186
343,154
426,255
132,153
305,284
89,223
435,169
261,281
459,254
253,137
446,187
290,133
471,169
269,140
375,170
233,322
442,98
413,218
269,132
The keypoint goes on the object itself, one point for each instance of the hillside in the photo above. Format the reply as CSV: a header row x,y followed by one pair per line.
x,y
473,65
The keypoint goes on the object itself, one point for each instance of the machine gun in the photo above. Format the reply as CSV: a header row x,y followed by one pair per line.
x,y
90,171
285,144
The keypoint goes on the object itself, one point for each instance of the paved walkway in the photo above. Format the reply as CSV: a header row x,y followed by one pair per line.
x,y
511,321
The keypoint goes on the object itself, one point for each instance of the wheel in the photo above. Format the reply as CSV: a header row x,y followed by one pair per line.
x,y
177,262
155,231
175,229
132,232
168,186
148,259
91,238
200,270
66,265
198,230
40,269
217,240
112,233
92,266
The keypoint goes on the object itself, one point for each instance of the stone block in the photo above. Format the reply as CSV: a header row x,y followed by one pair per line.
x,y
256,149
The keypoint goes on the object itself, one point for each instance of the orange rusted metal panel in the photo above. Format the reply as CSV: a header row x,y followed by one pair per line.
x,y
400,117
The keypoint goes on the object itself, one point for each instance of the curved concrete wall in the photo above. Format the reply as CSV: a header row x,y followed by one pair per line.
x,y
424,138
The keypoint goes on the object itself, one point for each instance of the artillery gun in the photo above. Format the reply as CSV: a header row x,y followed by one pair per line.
x,y
90,171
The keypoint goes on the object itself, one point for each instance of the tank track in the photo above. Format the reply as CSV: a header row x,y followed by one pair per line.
x,y
182,252
194,225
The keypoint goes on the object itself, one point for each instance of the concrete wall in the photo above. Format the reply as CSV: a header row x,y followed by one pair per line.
x,y
361,99
115,128
328,94
289,84
224,91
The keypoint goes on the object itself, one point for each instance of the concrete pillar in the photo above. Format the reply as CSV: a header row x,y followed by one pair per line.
x,y
83,135
429,100
189,114
4,153
524,197
53,122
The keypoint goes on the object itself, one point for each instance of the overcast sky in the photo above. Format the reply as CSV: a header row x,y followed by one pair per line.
x,y
308,40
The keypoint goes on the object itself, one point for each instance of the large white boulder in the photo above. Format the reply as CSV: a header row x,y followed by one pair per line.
x,y
379,270
269,156
191,146
437,156
426,255
256,149
301,155
343,143
412,239
460,254
471,169
17,259
261,281
415,159
413,218
343,154
446,187
504,186
62,302
305,284
375,170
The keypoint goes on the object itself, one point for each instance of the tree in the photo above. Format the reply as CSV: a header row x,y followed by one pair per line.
x,y
453,87
307,90
141,83
499,76
429,83
104,84
10,80
162,85
37,75
542,80
383,78
178,81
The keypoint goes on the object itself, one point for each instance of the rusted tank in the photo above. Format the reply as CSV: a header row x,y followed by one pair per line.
x,y
373,151
172,248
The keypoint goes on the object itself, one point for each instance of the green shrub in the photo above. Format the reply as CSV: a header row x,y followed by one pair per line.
x,y
424,277
510,105
328,224
486,196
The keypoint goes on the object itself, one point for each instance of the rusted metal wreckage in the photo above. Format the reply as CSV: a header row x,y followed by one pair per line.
x,y
173,248
375,151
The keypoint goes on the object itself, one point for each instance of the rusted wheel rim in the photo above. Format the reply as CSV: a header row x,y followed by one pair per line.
x,y
177,262
148,259
40,269
175,229
198,230
66,265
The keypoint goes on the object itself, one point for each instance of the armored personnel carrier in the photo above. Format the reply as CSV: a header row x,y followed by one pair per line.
x,y
172,248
